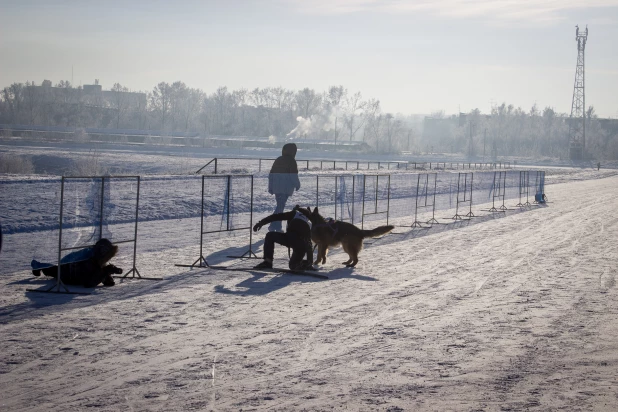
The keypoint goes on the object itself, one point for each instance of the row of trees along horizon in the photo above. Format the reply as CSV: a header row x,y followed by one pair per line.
x,y
335,114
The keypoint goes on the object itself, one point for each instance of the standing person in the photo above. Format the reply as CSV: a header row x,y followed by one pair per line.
x,y
282,180
297,237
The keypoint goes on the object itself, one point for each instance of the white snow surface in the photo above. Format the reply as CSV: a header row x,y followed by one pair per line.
x,y
507,311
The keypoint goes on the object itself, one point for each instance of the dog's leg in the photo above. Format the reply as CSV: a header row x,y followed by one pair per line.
x,y
354,249
346,248
353,260
321,253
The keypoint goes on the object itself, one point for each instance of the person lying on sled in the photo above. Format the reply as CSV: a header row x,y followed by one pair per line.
x,y
86,267
296,237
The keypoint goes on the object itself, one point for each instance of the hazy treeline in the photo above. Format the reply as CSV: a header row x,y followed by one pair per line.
x,y
510,131
273,111
334,114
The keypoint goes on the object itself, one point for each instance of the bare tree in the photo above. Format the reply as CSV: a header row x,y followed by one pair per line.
x,y
32,102
308,102
239,103
392,128
119,101
160,101
335,97
13,98
191,105
353,116
221,99
372,119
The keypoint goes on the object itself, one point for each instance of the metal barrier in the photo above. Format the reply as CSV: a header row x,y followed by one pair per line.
x,y
264,164
373,195
524,188
424,183
336,196
539,185
223,208
464,194
498,189
321,164
81,220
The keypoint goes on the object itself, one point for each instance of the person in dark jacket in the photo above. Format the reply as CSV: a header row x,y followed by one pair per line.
x,y
297,237
283,180
88,272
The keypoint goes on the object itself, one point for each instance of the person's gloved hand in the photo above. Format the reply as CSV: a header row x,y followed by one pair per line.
x,y
257,226
113,269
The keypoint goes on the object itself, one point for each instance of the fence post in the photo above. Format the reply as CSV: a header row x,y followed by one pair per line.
x,y
470,214
388,199
353,196
227,201
58,279
202,227
363,210
433,209
317,190
336,197
139,179
416,222
102,198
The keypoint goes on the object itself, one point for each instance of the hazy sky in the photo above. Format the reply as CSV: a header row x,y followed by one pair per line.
x,y
415,56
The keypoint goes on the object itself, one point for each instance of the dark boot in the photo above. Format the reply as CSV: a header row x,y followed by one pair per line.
x,y
264,265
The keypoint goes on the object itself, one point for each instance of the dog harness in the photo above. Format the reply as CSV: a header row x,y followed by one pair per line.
x,y
302,217
330,224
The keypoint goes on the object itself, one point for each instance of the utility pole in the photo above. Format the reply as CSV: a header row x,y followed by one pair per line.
x,y
577,121
470,147
484,144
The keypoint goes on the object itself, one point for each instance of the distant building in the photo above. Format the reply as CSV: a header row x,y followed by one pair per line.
x,y
114,98
91,95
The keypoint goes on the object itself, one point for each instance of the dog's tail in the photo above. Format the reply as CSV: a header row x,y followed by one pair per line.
x,y
378,231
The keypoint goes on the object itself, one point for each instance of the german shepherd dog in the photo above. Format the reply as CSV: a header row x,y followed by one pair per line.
x,y
328,234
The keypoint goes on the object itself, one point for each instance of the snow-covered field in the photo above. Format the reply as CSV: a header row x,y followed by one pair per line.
x,y
513,311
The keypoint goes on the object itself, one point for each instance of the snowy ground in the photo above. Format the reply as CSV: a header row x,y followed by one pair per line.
x,y
512,311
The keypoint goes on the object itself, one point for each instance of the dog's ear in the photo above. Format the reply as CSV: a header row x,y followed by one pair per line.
x,y
315,210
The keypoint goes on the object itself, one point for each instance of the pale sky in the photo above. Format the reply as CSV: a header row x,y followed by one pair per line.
x,y
415,56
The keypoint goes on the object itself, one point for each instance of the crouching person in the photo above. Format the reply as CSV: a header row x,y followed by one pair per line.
x,y
297,237
87,267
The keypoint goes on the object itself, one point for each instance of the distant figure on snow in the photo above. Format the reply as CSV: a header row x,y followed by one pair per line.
x,y
282,180
599,166
86,267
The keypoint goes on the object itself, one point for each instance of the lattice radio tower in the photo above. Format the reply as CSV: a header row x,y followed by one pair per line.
x,y
577,122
